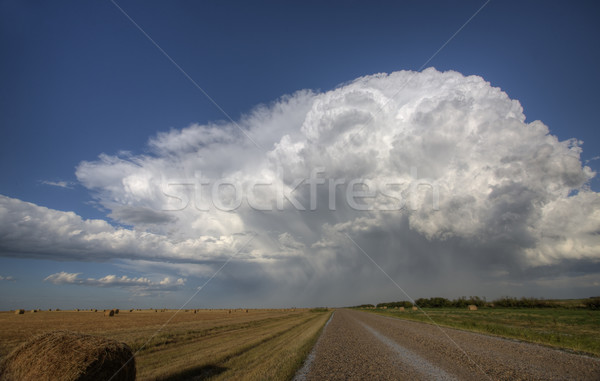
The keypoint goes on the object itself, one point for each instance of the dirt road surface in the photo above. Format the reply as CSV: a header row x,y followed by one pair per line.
x,y
358,345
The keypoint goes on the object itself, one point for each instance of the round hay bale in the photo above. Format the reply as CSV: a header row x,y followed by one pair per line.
x,y
116,311
109,313
69,356
19,312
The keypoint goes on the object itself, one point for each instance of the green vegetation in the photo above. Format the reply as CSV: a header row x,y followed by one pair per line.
x,y
364,306
571,327
592,303
394,305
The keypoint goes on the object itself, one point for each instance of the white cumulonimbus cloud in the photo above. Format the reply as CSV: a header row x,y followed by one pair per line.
x,y
453,178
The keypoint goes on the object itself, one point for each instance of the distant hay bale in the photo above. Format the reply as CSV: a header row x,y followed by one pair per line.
x,y
131,310
33,311
19,312
414,308
116,311
246,311
401,308
472,307
63,355
95,310
77,309
58,309
109,313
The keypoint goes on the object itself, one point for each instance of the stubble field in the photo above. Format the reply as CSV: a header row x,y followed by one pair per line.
x,y
209,344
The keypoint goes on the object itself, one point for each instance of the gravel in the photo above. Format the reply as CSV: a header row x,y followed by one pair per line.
x,y
359,345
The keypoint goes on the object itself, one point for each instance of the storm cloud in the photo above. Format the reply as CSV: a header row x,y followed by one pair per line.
x,y
459,193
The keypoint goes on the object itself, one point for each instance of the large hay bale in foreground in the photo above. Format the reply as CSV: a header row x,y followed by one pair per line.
x,y
69,356
472,307
19,312
109,313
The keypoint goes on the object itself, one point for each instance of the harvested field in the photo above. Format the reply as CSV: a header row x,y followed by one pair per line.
x,y
258,344
64,355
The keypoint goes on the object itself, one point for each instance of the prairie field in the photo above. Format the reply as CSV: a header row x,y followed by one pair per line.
x,y
573,329
209,344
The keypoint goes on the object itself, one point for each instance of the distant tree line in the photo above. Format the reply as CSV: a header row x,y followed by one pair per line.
x,y
395,304
592,303
364,306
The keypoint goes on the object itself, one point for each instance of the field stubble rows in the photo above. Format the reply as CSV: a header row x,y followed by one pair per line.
x,y
259,344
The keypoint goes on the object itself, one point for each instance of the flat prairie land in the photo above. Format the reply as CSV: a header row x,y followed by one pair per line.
x,y
574,329
209,344
357,345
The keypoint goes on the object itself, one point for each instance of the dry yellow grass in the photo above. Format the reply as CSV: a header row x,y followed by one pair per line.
x,y
215,344
64,355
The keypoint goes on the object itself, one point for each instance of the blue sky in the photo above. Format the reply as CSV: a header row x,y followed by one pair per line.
x,y
79,80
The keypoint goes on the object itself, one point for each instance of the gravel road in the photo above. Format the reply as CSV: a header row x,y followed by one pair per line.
x,y
358,345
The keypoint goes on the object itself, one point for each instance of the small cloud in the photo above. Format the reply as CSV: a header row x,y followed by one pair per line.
x,y
141,285
60,184
7,278
592,159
